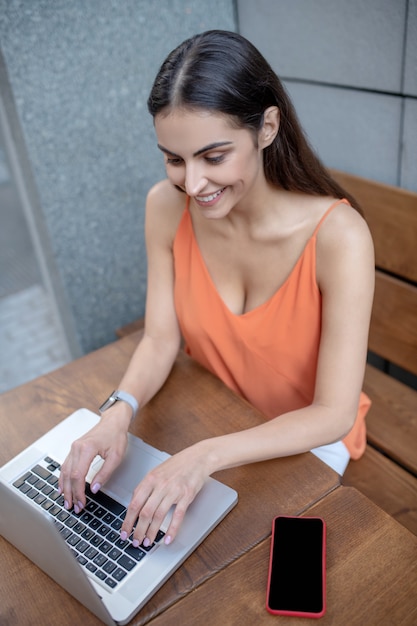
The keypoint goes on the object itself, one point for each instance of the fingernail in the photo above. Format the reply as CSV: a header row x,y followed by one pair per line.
x,y
59,490
167,540
96,487
146,542
66,504
123,535
76,509
135,543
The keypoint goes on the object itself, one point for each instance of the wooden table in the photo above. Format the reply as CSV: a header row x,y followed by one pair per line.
x,y
371,575
192,405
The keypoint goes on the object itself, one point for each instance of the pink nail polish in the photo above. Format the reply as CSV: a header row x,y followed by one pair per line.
x,y
167,540
66,505
146,542
135,543
96,487
123,535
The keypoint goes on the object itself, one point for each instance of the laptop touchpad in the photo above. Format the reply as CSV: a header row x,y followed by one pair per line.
x,y
140,458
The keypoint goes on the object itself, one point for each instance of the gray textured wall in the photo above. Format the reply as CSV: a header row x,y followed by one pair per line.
x,y
75,77
351,69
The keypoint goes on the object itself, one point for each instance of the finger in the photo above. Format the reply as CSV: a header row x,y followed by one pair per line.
x,y
176,521
74,471
64,484
139,499
111,461
150,521
161,514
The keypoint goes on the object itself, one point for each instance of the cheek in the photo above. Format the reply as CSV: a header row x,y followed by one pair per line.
x,y
247,169
175,174
236,171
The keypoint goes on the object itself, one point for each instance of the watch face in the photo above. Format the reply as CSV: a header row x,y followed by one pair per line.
x,y
124,397
108,403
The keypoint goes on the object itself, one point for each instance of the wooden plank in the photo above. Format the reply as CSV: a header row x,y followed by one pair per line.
x,y
385,483
393,331
392,419
391,213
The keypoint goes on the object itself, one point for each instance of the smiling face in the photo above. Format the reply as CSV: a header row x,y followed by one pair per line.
x,y
206,156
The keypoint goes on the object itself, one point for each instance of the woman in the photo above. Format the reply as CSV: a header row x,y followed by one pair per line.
x,y
258,262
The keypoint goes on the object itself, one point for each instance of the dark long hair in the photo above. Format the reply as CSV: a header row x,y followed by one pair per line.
x,y
222,71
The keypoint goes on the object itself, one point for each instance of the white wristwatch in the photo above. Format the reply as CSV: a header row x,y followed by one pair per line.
x,y
124,397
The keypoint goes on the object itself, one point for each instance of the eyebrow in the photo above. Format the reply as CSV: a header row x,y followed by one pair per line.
x,y
211,146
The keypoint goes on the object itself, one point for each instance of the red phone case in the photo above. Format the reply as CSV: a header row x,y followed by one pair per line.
x,y
323,569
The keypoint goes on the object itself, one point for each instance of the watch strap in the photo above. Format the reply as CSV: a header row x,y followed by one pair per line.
x,y
118,394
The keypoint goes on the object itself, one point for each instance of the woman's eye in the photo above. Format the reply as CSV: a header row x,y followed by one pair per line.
x,y
173,161
215,159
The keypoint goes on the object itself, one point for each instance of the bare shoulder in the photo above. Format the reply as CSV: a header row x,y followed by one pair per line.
x,y
164,207
344,226
164,191
344,243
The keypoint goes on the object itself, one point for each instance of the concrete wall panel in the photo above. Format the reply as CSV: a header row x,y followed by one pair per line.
x,y
409,152
353,131
410,72
331,41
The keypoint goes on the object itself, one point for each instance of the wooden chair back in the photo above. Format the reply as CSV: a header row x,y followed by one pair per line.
x,y
391,214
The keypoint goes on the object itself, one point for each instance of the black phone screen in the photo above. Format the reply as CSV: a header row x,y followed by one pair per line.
x,y
297,580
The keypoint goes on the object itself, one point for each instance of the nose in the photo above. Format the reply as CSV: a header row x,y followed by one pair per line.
x,y
195,179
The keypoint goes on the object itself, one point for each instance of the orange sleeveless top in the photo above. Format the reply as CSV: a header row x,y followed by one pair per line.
x,y
267,355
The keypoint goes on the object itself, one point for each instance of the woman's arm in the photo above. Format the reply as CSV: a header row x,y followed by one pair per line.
x,y
151,361
345,274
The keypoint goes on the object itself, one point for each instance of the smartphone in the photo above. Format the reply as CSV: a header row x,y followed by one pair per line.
x,y
297,567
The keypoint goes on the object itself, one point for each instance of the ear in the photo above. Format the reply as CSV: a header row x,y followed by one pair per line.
x,y
270,126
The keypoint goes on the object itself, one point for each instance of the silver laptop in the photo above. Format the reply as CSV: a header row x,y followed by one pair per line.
x,y
84,553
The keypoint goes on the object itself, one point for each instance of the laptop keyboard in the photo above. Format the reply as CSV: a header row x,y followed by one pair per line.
x,y
93,535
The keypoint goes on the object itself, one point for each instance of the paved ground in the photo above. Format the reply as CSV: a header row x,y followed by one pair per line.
x,y
30,341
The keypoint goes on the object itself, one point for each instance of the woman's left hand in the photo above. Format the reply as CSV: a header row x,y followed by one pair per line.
x,y
176,481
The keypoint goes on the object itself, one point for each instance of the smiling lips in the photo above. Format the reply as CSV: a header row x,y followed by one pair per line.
x,y
211,197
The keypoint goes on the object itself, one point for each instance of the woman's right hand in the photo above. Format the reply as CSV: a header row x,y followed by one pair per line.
x,y
107,439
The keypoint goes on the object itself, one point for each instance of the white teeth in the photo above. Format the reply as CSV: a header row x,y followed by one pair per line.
x,y
209,198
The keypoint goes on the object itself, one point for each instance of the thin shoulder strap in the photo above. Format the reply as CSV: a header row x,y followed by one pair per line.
x,y
329,210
